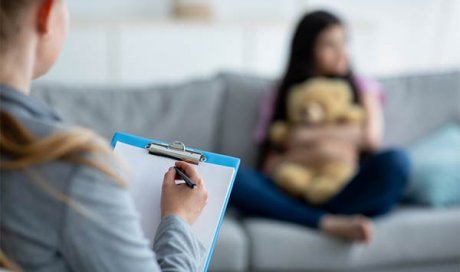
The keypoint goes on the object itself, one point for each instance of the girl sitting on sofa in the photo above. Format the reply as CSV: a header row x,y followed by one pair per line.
x,y
319,50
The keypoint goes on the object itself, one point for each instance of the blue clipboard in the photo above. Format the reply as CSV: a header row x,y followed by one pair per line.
x,y
212,158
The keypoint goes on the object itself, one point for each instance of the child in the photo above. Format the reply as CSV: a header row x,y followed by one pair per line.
x,y
319,50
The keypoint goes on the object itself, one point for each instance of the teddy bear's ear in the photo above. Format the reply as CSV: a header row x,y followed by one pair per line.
x,y
278,132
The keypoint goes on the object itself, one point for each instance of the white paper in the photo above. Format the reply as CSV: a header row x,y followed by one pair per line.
x,y
145,181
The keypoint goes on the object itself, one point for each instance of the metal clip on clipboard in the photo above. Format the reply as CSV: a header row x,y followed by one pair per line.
x,y
176,150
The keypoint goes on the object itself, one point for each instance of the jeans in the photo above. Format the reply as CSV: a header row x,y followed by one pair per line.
x,y
376,188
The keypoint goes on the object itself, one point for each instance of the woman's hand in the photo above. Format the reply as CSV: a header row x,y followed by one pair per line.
x,y
181,200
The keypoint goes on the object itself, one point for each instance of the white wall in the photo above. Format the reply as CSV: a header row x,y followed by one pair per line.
x,y
403,35
119,9
132,41
223,9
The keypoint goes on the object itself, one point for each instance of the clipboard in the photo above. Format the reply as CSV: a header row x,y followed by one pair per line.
x,y
145,154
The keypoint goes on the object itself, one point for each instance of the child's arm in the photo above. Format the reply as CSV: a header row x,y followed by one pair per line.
x,y
374,122
307,135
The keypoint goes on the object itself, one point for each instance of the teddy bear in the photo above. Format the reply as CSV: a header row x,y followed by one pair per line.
x,y
314,103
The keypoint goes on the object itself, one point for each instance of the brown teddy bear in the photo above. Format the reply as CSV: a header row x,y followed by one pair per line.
x,y
318,102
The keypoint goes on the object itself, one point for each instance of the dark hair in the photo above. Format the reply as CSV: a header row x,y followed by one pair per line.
x,y
301,65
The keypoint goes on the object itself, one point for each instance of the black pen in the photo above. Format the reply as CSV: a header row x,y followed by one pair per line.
x,y
187,180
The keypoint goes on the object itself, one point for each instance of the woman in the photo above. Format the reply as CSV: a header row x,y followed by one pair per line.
x,y
63,206
319,50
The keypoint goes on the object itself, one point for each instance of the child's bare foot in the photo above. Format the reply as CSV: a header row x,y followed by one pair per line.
x,y
354,228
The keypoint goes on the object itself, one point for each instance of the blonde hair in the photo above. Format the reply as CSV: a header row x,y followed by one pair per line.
x,y
25,150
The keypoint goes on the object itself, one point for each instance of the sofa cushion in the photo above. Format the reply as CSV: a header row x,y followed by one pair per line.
x,y
408,236
435,177
231,252
187,112
240,116
418,104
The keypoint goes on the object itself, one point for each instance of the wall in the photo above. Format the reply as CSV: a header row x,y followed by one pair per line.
x,y
136,42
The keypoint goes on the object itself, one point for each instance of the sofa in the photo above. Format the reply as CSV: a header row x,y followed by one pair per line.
x,y
220,114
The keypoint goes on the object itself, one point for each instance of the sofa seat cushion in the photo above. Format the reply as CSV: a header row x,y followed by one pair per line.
x,y
408,236
231,251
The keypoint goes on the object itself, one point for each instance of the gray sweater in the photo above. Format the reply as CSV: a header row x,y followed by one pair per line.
x,y
96,229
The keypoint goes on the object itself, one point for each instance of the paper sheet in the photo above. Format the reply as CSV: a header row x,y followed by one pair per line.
x,y
146,178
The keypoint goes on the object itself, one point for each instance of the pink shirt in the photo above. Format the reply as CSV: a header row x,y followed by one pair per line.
x,y
267,104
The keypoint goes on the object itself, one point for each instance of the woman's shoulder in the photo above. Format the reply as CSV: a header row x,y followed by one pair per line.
x,y
45,192
91,148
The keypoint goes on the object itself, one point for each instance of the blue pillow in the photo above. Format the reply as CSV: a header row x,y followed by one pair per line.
x,y
435,178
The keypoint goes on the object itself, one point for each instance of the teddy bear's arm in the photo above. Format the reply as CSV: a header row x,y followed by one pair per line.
x,y
278,133
354,114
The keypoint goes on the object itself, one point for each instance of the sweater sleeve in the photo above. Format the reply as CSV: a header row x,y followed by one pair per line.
x,y
176,247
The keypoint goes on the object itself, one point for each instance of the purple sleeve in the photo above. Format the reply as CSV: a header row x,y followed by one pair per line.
x,y
265,115
369,85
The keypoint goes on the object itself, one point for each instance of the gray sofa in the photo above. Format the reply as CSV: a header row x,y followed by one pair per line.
x,y
219,114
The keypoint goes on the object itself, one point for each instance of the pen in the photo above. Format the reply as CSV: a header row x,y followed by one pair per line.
x,y
187,180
